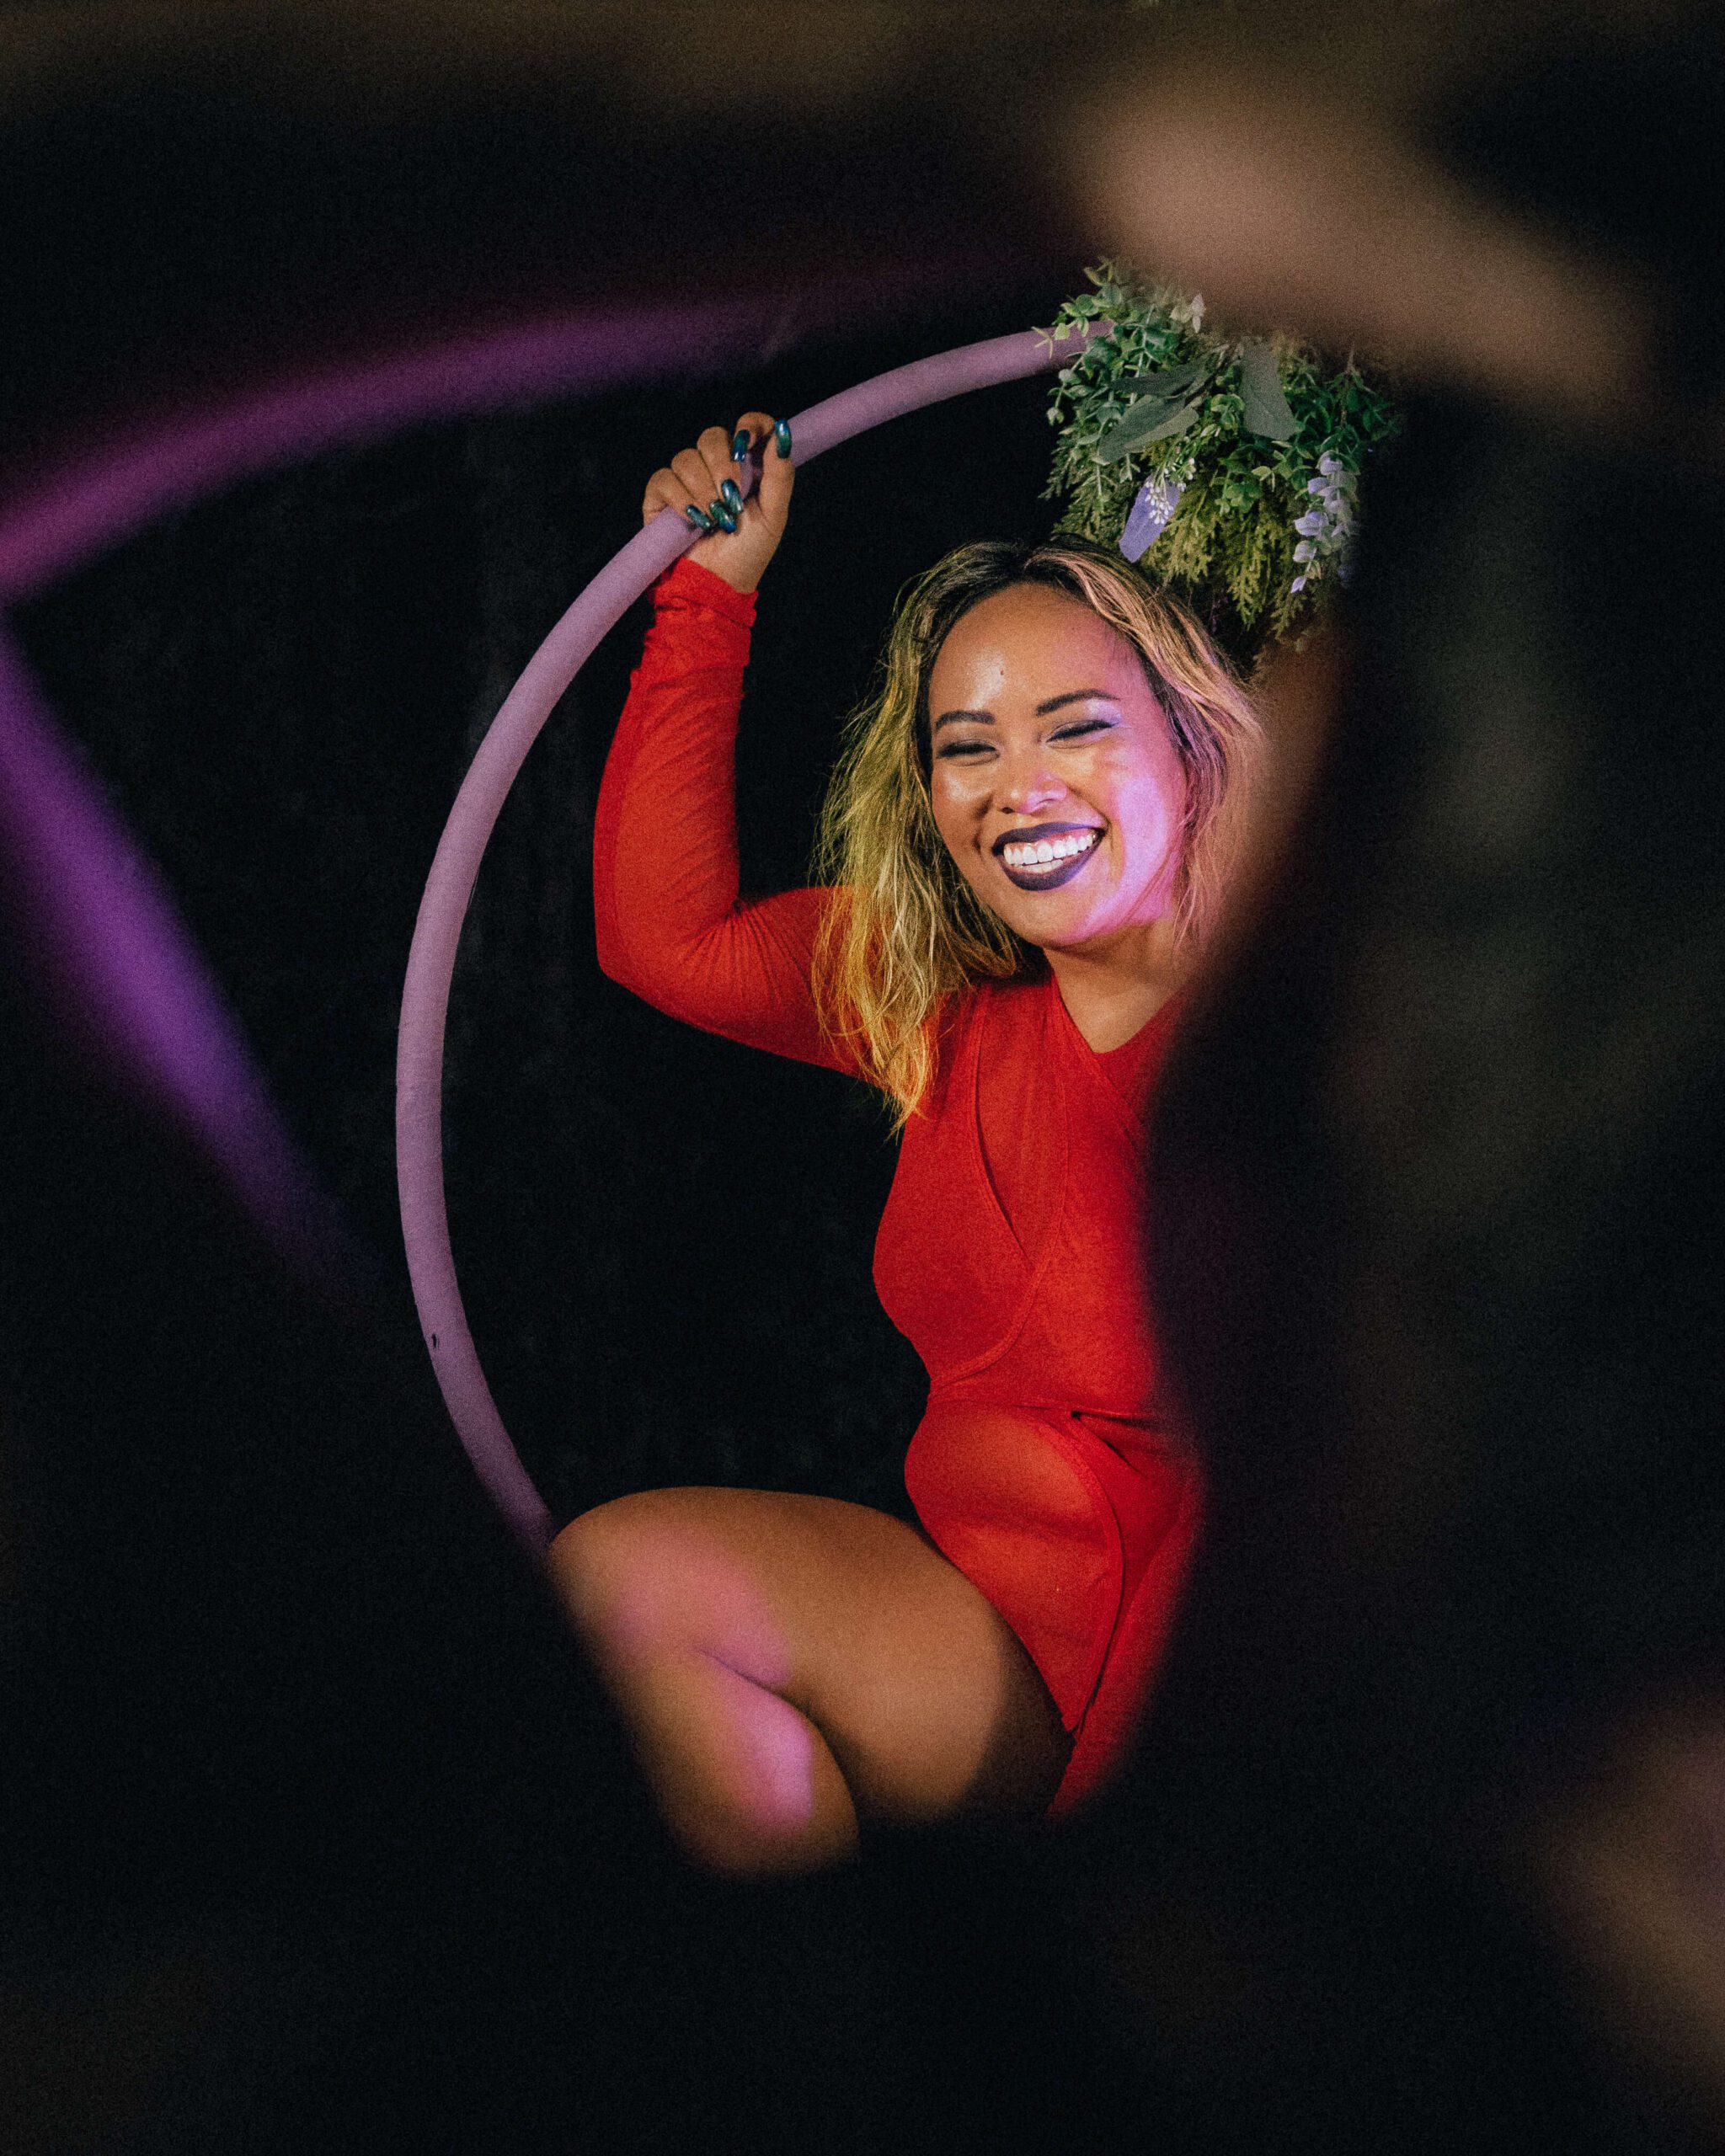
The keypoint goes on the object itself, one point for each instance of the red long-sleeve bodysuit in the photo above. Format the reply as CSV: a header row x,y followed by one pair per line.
x,y
1011,1251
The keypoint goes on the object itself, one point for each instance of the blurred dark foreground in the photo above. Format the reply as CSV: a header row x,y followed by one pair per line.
x,y
315,1832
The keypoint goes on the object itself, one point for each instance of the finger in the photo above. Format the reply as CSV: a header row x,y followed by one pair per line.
x,y
747,438
778,473
691,467
715,447
750,436
665,490
741,466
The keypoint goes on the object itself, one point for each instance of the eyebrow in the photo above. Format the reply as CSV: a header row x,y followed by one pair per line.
x,y
1053,703
1076,696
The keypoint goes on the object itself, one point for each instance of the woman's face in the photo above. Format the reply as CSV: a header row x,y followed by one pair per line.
x,y
1055,779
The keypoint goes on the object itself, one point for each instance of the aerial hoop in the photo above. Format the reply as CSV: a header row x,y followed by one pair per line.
x,y
425,1004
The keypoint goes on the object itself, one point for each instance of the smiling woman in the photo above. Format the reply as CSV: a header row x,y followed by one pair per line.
x,y
1025,840
1019,682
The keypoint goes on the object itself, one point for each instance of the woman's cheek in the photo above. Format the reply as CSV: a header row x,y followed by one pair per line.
x,y
956,797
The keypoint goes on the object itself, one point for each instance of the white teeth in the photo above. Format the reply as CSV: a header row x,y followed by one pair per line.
x,y
1040,853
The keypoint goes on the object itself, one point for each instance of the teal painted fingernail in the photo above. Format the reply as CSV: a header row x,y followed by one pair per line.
x,y
700,522
721,516
741,443
782,436
731,494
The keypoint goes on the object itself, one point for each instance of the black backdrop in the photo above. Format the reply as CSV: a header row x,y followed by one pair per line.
x,y
664,1239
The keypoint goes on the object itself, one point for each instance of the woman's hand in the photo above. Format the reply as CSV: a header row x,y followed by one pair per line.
x,y
704,484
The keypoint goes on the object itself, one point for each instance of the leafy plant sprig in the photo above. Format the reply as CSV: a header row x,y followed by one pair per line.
x,y
1238,461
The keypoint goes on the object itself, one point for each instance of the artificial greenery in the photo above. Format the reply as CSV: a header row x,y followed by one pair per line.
x,y
1247,453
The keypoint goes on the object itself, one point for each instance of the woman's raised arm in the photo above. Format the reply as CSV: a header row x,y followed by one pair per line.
x,y
671,926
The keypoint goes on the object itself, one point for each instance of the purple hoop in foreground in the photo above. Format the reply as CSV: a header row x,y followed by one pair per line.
x,y
425,1004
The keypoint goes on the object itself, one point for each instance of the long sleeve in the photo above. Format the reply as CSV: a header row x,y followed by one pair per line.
x,y
670,924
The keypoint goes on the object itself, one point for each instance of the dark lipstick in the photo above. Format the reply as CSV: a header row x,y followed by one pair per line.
x,y
1055,874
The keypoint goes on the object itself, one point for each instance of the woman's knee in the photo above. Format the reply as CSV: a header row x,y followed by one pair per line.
x,y
589,1562
861,1647
653,1575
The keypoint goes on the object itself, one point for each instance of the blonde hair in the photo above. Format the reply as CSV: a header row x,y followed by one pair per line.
x,y
911,932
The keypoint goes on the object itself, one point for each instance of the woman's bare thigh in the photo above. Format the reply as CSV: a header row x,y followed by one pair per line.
x,y
925,1695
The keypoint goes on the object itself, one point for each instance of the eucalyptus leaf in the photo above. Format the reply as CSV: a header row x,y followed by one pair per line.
x,y
1166,381
1268,412
1148,420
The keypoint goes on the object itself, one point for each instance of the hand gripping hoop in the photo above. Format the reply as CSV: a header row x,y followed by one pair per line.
x,y
424,1003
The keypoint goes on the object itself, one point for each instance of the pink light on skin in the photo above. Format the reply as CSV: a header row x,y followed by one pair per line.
x,y
774,1759
682,1601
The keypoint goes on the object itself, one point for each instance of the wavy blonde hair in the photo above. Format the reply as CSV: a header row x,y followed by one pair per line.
x,y
913,933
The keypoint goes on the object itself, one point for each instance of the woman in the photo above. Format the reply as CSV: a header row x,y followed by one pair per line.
x,y
1027,838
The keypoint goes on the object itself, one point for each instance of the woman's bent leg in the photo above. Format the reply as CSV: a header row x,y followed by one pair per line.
x,y
790,1664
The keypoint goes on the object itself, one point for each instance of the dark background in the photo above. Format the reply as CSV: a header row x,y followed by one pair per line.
x,y
664,1239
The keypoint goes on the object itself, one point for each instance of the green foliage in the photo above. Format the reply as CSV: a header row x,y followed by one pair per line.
x,y
1265,443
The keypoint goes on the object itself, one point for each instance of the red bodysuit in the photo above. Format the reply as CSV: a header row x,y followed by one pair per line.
x,y
1011,1251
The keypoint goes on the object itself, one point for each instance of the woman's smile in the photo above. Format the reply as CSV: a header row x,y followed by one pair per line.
x,y
1046,856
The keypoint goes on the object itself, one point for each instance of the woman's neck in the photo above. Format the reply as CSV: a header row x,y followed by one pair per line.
x,y
1112,990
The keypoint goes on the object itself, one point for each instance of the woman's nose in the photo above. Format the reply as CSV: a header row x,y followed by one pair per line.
x,y
1029,787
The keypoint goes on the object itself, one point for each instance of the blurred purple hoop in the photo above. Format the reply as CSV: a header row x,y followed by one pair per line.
x,y
419,1069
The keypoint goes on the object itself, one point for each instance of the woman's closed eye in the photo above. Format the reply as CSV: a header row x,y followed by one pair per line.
x,y
1079,730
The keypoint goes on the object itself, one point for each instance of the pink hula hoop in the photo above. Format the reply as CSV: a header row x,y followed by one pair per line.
x,y
424,1004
